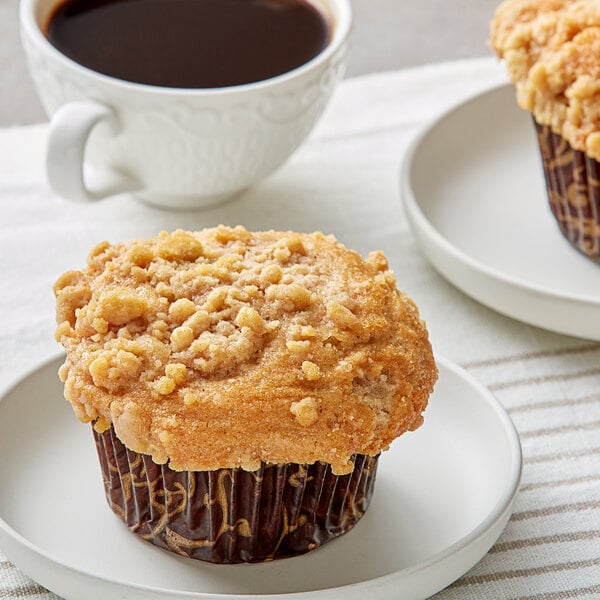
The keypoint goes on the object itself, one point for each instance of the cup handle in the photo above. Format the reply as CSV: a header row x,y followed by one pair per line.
x,y
70,128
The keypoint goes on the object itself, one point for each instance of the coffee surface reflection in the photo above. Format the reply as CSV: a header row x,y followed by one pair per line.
x,y
189,43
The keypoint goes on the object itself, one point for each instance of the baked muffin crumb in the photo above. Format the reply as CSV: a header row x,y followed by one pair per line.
x,y
306,411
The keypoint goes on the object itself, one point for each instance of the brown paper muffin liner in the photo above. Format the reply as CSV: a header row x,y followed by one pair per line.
x,y
573,185
232,515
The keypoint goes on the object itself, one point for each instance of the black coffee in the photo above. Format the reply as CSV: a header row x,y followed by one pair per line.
x,y
189,43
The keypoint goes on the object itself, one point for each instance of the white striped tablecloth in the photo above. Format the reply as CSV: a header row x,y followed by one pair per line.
x,y
344,180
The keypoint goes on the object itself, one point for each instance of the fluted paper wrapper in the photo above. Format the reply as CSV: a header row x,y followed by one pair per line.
x,y
573,185
232,515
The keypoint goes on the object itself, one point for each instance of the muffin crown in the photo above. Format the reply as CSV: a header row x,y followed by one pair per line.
x,y
224,348
552,52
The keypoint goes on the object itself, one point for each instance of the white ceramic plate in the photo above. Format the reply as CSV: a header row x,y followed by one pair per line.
x,y
442,497
474,192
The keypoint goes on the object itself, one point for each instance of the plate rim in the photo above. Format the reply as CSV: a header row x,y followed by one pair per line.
x,y
418,218
498,515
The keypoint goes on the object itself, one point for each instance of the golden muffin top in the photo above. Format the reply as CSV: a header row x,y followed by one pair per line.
x,y
552,53
224,348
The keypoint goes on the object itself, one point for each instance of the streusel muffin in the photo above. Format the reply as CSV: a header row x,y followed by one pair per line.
x,y
552,52
241,385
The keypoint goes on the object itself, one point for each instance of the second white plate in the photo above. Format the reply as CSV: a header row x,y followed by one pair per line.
x,y
443,495
473,189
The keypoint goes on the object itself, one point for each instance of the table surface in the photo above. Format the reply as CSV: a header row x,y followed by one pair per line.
x,y
388,35
549,383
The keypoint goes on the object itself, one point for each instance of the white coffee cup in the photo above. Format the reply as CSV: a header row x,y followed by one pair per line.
x,y
173,147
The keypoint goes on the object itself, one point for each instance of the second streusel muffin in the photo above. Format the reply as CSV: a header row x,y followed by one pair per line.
x,y
552,53
241,385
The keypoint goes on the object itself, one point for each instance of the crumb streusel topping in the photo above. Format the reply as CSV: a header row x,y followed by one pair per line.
x,y
552,53
225,348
